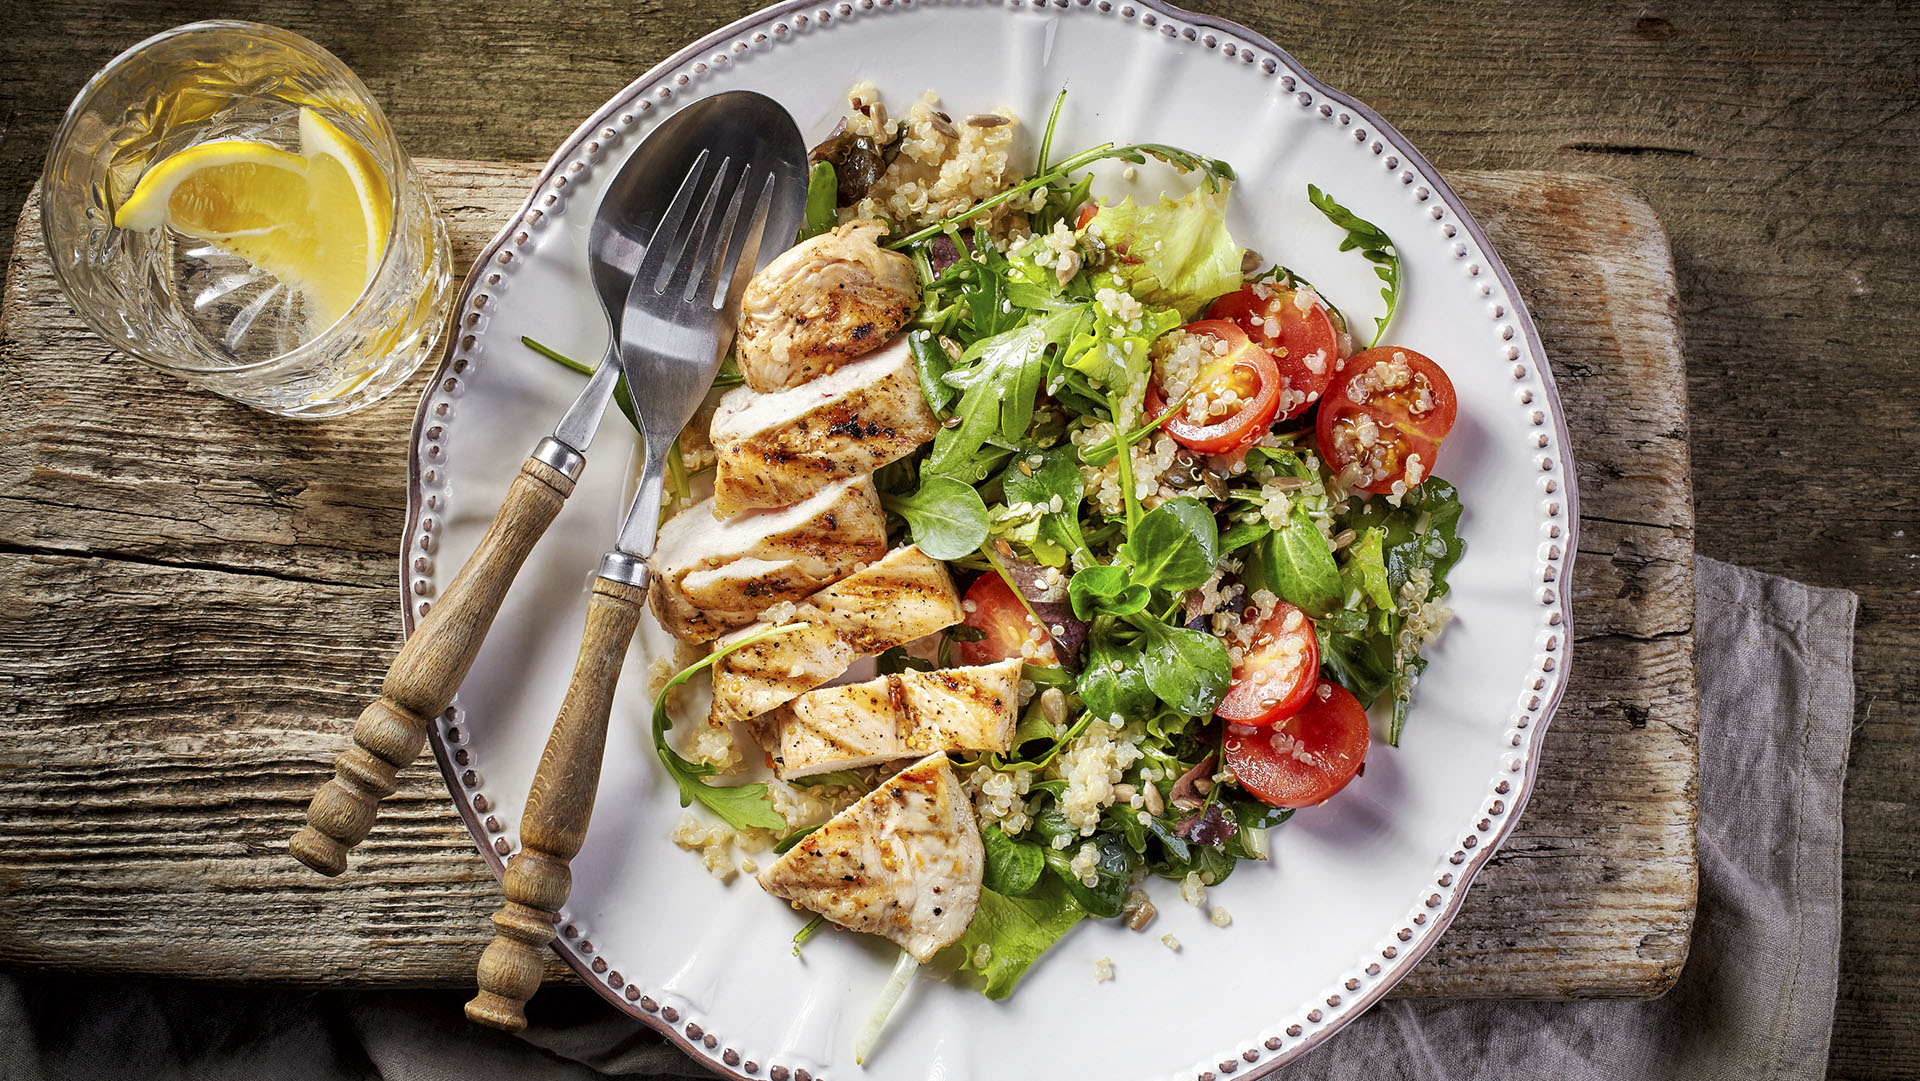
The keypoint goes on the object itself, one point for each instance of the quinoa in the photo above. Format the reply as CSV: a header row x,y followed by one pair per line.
x,y
942,167
1103,970
713,842
1092,765
999,797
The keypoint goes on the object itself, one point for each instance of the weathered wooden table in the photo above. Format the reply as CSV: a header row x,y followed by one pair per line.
x,y
197,599
1776,144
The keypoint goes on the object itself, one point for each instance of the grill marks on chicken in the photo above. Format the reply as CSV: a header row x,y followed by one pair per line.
x,y
822,302
895,717
715,575
775,449
904,863
905,596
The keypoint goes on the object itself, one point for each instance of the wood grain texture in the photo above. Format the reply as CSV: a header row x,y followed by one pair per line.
x,y
427,672
559,808
161,670
1775,141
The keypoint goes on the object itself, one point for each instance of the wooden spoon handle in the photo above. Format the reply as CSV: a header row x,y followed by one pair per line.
x,y
430,667
559,805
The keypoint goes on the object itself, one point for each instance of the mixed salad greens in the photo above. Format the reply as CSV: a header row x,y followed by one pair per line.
x,y
1175,488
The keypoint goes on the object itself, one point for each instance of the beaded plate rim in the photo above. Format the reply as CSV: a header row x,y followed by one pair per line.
x,y
1303,1029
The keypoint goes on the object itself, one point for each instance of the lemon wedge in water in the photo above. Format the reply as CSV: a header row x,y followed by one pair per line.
x,y
317,220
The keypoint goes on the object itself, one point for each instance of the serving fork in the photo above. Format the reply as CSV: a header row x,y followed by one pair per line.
x,y
676,322
672,355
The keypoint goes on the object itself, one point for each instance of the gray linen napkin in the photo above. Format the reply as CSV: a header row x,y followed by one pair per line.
x,y
1754,1002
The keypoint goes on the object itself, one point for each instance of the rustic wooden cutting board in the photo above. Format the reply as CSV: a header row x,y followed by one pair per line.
x,y
196,600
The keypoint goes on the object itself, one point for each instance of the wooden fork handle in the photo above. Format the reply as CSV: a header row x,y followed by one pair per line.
x,y
431,665
559,805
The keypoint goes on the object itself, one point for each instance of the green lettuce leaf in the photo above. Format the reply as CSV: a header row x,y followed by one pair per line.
x,y
1016,931
1185,256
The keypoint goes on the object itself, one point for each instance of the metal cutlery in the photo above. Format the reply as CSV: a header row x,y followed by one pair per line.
x,y
678,319
433,662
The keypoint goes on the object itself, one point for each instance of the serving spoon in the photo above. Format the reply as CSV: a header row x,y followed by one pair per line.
x,y
432,664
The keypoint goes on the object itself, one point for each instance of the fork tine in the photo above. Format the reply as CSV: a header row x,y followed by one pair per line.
x,y
669,228
685,251
713,259
740,268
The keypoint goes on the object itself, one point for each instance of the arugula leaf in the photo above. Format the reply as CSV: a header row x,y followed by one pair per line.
x,y
781,846
948,518
1012,867
823,192
999,378
1114,682
1113,874
1375,246
1186,257
932,363
622,397
1174,547
1015,932
1296,565
838,778
743,806
1187,670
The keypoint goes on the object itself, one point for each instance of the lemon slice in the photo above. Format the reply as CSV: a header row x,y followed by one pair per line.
x,y
317,220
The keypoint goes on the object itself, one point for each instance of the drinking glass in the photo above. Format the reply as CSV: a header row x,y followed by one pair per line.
x,y
185,306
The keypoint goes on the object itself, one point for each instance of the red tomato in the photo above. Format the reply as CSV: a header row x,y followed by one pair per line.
x,y
1276,670
1247,371
993,610
1307,757
1087,211
1304,344
1384,417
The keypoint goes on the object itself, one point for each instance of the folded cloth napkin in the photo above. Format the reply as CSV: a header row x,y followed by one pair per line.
x,y
1754,1002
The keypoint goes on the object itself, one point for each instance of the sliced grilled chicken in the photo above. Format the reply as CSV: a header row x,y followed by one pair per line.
x,y
776,449
961,709
822,302
714,575
837,728
903,597
904,863
896,716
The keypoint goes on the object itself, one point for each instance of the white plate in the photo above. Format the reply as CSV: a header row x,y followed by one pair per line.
x,y
1356,892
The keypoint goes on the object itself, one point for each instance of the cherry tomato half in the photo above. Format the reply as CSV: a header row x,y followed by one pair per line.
x,y
1246,371
1276,671
992,609
1382,420
1305,758
1302,340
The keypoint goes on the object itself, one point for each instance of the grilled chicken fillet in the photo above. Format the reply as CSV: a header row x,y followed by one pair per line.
x,y
897,716
904,863
776,449
712,576
905,596
821,303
